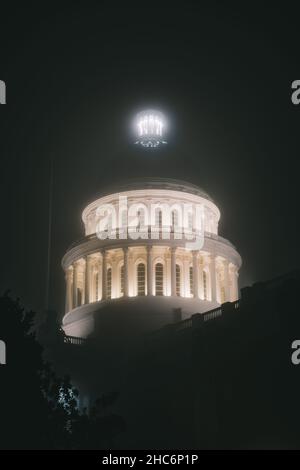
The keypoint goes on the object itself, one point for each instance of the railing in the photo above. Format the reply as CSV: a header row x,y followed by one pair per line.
x,y
161,233
218,238
212,314
198,318
188,323
74,340
191,322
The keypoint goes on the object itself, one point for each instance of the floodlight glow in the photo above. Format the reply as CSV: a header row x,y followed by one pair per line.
x,y
150,128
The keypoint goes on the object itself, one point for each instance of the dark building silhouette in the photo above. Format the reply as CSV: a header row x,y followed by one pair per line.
x,y
223,379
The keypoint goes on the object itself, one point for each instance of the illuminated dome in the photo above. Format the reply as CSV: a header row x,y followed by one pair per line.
x,y
149,270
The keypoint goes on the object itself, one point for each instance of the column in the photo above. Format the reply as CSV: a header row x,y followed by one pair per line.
x,y
186,276
226,281
75,275
87,280
99,278
126,283
131,274
201,291
235,284
114,277
68,306
104,275
149,271
173,271
195,274
213,281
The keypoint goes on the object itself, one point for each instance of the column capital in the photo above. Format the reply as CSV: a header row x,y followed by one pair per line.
x,y
211,258
69,272
88,260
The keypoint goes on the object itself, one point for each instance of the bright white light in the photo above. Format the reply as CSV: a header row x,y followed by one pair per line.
x,y
150,128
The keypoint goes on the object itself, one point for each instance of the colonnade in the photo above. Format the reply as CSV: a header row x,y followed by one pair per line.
x,y
186,274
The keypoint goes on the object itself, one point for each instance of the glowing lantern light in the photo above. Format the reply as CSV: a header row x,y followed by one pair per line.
x,y
150,128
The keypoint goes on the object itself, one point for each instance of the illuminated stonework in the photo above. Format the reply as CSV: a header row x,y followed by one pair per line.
x,y
159,275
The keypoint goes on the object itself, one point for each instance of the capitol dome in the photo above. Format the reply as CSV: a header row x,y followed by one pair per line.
x,y
153,263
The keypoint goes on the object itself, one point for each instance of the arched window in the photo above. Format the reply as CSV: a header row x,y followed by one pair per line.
x,y
141,219
204,285
191,280
159,279
108,284
141,281
178,280
174,220
158,218
122,280
97,286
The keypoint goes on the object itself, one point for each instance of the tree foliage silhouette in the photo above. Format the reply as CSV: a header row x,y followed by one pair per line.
x,y
39,410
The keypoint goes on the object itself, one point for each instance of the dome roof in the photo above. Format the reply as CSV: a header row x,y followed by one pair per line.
x,y
156,183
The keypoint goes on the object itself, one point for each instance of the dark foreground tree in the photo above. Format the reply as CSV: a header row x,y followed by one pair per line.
x,y
38,410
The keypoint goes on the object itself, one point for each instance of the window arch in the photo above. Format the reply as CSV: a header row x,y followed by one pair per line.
x,y
178,280
159,279
141,279
108,283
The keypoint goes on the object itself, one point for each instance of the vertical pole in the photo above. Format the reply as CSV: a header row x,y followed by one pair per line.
x,y
50,204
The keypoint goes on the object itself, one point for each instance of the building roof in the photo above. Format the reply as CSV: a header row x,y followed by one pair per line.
x,y
155,183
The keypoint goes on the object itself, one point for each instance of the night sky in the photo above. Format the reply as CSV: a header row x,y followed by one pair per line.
x,y
75,77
